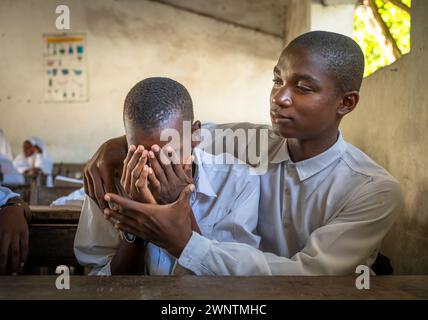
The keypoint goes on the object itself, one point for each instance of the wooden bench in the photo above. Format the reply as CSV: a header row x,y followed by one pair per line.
x,y
52,232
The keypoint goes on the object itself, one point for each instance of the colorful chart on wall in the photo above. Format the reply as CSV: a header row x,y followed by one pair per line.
x,y
65,68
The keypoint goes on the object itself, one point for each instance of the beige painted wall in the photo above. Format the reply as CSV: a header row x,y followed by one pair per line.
x,y
227,69
390,125
335,18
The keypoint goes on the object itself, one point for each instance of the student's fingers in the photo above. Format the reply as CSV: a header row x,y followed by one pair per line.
x,y
119,217
187,167
136,172
130,153
130,167
156,166
141,208
15,254
186,193
154,182
24,248
175,163
98,186
142,187
128,228
109,186
141,182
164,160
4,251
90,185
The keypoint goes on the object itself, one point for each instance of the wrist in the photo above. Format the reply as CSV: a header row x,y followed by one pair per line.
x,y
133,239
17,202
177,248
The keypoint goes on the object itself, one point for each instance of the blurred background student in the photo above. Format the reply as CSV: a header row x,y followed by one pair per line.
x,y
34,159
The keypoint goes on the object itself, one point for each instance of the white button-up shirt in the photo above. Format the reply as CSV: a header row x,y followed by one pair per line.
x,y
225,204
321,216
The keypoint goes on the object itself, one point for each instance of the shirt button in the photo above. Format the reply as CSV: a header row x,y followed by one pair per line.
x,y
287,192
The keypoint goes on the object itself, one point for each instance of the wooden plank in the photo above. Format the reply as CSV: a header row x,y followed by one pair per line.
x,y
192,287
48,213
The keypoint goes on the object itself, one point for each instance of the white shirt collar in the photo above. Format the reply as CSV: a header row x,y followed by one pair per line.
x,y
309,167
202,182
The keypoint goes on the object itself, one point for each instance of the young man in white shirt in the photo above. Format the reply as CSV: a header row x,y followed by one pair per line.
x,y
325,206
224,202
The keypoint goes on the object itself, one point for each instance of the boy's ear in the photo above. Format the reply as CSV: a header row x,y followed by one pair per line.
x,y
196,133
349,102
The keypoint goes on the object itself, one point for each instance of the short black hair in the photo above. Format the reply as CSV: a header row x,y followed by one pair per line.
x,y
153,101
342,56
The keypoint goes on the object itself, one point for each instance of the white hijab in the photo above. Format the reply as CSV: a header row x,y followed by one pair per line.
x,y
43,161
36,160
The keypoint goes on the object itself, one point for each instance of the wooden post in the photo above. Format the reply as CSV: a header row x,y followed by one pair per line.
x,y
297,19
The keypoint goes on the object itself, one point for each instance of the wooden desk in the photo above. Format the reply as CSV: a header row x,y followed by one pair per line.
x,y
52,232
42,195
47,214
212,288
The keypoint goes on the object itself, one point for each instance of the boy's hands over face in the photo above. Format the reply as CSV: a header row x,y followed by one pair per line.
x,y
101,168
168,176
168,226
134,175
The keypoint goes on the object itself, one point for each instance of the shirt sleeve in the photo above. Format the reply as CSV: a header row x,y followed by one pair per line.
x,y
96,240
21,164
6,194
237,227
336,248
240,223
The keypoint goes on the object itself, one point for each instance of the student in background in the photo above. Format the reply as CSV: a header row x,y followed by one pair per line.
x,y
8,173
14,218
34,159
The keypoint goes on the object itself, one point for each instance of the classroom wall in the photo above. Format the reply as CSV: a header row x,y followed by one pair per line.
x,y
227,69
335,18
390,124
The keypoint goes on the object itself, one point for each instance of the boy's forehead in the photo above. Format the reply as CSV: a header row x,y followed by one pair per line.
x,y
138,135
302,61
294,56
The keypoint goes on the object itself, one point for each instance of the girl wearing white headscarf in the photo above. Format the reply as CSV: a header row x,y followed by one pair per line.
x,y
34,156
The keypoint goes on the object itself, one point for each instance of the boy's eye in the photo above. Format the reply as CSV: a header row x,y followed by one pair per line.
x,y
277,81
304,88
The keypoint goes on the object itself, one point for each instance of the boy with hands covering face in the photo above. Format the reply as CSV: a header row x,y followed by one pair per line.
x,y
221,200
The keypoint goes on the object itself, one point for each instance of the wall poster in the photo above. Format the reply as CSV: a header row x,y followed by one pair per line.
x,y
65,68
